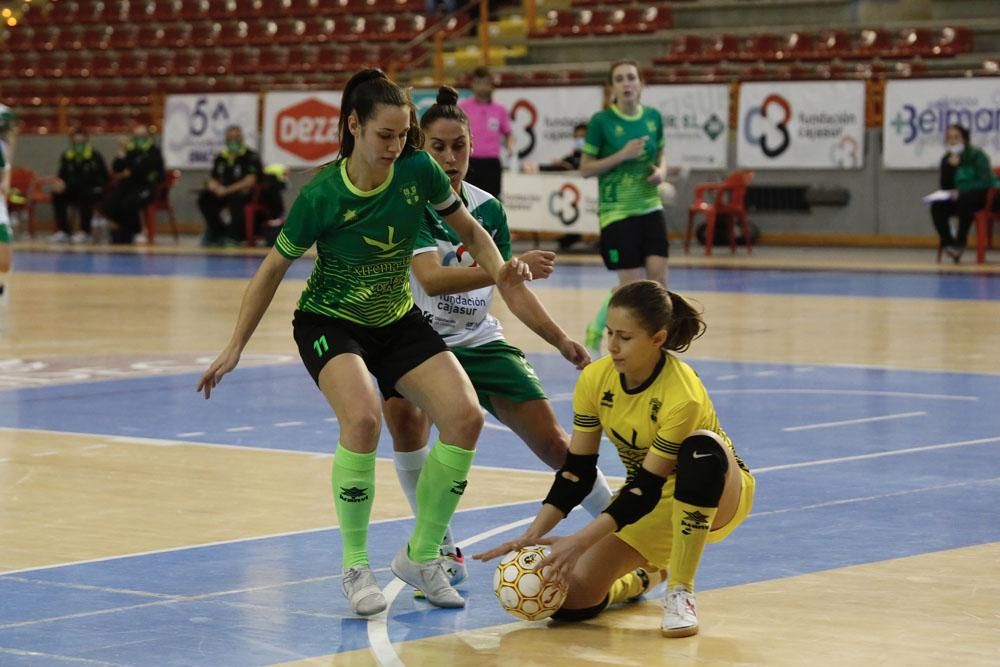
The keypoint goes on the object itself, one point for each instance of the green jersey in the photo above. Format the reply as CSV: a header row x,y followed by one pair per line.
x,y
464,319
364,240
625,191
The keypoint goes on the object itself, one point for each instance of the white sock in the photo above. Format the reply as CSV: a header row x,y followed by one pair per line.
x,y
408,466
600,496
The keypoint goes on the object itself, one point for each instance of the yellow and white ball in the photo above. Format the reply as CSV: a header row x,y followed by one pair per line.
x,y
521,585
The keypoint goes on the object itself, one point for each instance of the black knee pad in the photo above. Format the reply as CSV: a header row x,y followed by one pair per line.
x,y
577,615
701,471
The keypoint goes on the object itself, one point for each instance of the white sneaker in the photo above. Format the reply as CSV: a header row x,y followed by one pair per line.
x,y
454,567
139,239
431,578
680,616
363,591
80,237
59,237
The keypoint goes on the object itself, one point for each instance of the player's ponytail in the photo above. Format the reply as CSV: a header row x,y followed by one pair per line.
x,y
657,309
686,324
366,90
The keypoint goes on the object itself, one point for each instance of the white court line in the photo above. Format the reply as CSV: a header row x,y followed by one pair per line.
x,y
190,434
861,499
378,625
877,455
239,429
848,392
56,656
848,422
284,424
39,454
496,427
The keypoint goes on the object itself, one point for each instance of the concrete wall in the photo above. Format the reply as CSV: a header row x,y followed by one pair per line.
x,y
881,204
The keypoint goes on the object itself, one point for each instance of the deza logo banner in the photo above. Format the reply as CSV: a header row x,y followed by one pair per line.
x,y
917,113
300,129
194,127
801,125
542,119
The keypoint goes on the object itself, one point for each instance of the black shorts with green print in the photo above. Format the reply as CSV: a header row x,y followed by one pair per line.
x,y
627,243
389,352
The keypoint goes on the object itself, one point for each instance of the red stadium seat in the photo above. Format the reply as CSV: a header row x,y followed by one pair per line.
x,y
215,62
872,44
954,41
187,63
834,44
725,47
123,37
288,31
684,49
161,202
205,33
176,35
760,46
798,46
160,63
913,42
985,219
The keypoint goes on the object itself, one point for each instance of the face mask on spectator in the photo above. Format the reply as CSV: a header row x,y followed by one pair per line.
x,y
956,148
578,143
234,146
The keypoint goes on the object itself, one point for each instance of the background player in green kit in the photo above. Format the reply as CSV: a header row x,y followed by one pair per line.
x,y
6,157
356,315
624,149
455,295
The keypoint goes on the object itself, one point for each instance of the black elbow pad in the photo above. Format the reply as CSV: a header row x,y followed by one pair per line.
x,y
565,493
637,498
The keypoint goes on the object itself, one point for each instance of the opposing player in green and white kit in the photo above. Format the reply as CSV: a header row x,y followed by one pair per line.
x,y
356,316
6,157
624,149
455,296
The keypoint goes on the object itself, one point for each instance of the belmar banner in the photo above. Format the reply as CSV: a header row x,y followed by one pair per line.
x,y
918,112
801,125
194,127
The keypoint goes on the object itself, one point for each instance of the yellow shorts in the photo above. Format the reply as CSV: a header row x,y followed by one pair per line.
x,y
652,535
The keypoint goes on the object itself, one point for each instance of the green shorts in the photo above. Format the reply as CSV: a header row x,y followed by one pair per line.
x,y
499,369
5,235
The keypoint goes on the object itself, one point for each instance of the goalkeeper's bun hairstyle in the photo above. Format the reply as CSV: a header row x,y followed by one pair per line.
x,y
446,107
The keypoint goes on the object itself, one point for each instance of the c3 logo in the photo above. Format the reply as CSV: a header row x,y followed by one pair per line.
x,y
780,127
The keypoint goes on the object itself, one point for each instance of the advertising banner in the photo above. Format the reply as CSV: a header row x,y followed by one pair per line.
x,y
801,125
300,128
194,127
918,112
542,119
562,203
695,124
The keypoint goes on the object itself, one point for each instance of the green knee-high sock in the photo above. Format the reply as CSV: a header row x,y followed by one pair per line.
x,y
353,494
595,330
440,487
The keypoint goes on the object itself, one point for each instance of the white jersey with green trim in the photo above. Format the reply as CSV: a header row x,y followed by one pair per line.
x,y
462,320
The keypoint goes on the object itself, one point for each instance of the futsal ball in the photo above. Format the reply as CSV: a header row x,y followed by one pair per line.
x,y
521,586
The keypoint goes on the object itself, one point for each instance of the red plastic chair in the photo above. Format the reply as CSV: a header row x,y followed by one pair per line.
x,y
161,202
984,222
250,211
33,189
728,200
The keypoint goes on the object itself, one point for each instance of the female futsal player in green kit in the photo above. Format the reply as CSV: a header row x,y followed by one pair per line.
x,y
356,315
